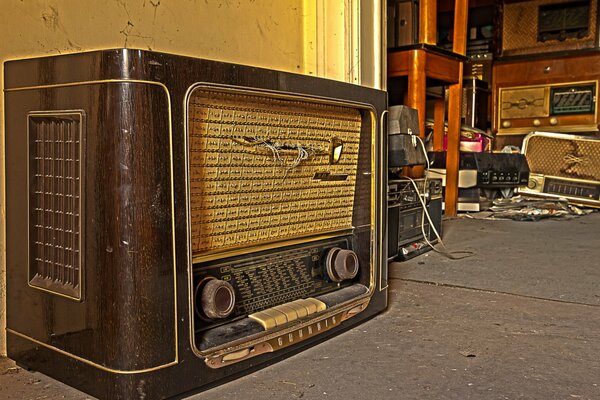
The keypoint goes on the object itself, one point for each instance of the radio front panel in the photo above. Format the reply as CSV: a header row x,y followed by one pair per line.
x,y
173,223
267,170
560,107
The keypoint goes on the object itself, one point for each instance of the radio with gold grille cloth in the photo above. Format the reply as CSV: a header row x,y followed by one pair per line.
x,y
532,27
175,222
563,166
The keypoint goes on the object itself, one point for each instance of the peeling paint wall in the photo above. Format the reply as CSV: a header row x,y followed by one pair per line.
x,y
267,33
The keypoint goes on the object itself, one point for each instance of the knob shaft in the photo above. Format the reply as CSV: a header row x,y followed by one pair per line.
x,y
341,264
217,299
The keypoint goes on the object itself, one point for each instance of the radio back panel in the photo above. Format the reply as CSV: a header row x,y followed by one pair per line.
x,y
185,221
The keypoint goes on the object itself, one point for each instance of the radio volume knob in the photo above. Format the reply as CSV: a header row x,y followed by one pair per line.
x,y
506,124
537,122
553,121
217,299
341,264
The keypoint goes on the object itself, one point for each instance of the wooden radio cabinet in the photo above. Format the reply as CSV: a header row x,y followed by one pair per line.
x,y
546,94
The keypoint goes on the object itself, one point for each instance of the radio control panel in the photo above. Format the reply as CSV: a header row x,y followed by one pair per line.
x,y
240,286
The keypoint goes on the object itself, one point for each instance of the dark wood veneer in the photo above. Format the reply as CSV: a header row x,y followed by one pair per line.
x,y
134,313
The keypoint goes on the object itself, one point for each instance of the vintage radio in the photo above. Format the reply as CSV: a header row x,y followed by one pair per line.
x,y
563,166
406,222
175,222
561,107
484,170
544,26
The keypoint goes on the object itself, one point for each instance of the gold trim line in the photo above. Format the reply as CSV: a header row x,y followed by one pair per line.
x,y
86,361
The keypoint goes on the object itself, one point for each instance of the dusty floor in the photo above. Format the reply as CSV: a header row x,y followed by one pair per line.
x,y
518,320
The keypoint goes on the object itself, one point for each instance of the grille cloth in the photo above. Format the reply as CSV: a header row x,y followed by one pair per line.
x,y
565,158
244,185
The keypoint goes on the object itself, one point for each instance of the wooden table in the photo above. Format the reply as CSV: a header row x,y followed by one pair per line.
x,y
420,62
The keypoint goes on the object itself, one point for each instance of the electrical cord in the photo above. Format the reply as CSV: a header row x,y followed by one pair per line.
x,y
453,255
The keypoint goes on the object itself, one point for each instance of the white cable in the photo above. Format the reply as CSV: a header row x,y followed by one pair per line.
x,y
381,120
424,152
425,211
426,214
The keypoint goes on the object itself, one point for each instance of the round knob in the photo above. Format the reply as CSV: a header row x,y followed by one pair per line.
x,y
217,298
506,124
553,121
341,264
547,69
531,184
537,122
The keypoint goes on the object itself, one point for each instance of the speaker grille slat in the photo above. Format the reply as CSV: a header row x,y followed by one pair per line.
x,y
55,202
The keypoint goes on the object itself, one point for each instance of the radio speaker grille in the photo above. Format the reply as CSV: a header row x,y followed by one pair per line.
x,y
266,168
522,38
564,156
55,202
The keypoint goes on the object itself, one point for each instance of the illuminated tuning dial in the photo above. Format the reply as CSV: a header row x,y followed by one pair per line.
x,y
217,299
341,264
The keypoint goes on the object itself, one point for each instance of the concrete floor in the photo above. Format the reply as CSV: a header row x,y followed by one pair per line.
x,y
518,320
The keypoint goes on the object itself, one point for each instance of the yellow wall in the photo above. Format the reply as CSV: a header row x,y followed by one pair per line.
x,y
265,33
316,37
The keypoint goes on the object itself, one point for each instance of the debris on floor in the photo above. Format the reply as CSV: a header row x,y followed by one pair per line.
x,y
519,208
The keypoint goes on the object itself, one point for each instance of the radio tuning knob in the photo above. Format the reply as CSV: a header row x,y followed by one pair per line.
x,y
506,124
553,121
537,122
217,299
531,184
341,264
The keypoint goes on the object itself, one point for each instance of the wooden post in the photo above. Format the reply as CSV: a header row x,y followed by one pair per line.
x,y
428,21
439,116
417,84
461,8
